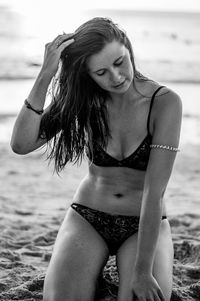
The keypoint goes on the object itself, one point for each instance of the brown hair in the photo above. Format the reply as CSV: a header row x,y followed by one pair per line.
x,y
78,115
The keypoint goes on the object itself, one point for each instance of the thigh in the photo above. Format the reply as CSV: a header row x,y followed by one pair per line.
x,y
78,257
162,265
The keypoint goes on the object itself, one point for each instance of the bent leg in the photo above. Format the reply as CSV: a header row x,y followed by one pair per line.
x,y
162,265
163,262
78,257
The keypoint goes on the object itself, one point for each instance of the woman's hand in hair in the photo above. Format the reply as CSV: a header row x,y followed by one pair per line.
x,y
53,52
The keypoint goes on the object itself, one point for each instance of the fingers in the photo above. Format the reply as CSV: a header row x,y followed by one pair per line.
x,y
61,38
65,44
161,296
156,296
60,43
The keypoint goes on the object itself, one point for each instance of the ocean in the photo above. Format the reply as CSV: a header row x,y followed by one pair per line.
x,y
166,47
166,44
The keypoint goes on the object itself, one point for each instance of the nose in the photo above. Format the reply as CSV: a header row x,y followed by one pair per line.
x,y
115,75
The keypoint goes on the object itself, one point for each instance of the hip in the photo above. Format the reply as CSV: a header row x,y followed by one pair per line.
x,y
113,200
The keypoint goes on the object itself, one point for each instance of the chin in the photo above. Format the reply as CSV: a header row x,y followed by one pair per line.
x,y
122,89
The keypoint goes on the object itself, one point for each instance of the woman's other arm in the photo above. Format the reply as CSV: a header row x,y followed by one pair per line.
x,y
25,137
166,132
168,109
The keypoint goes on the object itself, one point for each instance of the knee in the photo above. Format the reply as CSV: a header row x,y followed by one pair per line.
x,y
53,295
72,296
55,290
50,296
69,292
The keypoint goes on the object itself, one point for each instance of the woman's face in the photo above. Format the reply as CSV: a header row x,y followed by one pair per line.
x,y
112,68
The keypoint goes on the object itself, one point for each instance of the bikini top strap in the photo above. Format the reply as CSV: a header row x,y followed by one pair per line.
x,y
151,104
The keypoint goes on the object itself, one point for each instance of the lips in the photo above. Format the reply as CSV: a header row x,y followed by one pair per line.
x,y
120,84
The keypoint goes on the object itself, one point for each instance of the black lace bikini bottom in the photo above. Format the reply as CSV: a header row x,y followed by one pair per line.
x,y
114,229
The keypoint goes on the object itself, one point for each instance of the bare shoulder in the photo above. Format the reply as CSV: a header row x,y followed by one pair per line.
x,y
167,101
167,117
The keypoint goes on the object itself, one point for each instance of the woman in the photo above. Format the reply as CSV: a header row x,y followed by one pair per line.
x,y
129,128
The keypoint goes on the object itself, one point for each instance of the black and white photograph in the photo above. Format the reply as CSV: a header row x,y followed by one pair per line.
x,y
99,150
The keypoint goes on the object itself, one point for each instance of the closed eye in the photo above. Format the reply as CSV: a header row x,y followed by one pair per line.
x,y
118,63
100,73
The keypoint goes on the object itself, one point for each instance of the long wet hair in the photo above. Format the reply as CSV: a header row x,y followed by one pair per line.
x,y
78,115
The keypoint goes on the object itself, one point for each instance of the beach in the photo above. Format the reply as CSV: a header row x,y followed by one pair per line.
x,y
34,199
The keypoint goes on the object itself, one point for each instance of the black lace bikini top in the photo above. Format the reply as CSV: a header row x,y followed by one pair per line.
x,y
137,160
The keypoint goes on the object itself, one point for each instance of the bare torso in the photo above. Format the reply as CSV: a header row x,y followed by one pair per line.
x,y
119,190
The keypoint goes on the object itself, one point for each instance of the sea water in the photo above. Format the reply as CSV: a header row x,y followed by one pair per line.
x,y
166,47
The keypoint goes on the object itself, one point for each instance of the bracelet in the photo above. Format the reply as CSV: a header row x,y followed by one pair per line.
x,y
29,106
168,147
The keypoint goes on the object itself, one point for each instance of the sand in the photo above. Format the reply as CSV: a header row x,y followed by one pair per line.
x,y
33,203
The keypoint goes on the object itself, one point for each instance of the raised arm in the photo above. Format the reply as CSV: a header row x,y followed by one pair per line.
x,y
25,137
167,124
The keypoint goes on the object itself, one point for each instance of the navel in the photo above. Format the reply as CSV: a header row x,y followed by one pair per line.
x,y
118,195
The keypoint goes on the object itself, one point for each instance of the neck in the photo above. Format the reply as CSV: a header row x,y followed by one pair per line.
x,y
121,101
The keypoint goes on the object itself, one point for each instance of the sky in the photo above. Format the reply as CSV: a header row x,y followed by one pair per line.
x,y
182,5
48,18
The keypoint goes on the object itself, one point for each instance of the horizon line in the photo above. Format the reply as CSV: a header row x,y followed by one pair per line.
x,y
156,10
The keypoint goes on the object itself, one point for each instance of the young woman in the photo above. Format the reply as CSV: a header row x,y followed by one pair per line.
x,y
128,126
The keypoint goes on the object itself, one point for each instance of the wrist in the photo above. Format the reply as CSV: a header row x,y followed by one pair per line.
x,y
37,96
45,75
142,268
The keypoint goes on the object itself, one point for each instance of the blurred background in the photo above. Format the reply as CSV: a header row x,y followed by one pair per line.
x,y
166,43
165,37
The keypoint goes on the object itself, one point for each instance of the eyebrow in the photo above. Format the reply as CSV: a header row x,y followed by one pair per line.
x,y
115,61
